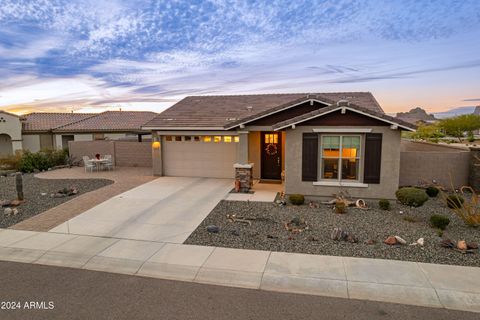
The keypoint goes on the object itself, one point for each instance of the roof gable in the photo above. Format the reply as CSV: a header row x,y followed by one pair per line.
x,y
343,109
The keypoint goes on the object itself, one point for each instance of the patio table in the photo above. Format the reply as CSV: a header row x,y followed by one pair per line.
x,y
98,162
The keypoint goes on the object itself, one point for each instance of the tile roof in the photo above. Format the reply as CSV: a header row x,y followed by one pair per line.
x,y
46,121
111,121
224,111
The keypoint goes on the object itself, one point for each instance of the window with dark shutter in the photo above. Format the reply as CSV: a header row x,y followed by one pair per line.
x,y
310,157
373,158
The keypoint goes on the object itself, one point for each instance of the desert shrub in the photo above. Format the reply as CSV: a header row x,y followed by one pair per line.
x,y
466,209
10,162
455,201
340,207
439,221
42,160
410,219
297,199
384,204
412,197
432,191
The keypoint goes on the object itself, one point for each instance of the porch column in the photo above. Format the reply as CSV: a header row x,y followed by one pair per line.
x,y
242,147
157,163
243,169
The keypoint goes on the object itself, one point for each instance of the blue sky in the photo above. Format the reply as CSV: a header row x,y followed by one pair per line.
x,y
91,55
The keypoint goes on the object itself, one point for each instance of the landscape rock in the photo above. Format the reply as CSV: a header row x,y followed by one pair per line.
x,y
15,203
213,229
400,240
352,238
14,211
5,203
390,241
419,242
472,245
461,245
8,211
370,242
447,243
338,234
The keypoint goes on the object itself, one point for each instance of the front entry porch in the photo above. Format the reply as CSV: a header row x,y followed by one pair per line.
x,y
260,156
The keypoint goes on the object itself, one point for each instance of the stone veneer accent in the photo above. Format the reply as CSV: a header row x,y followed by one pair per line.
x,y
244,174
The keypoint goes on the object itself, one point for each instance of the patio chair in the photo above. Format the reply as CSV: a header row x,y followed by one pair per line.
x,y
109,163
88,164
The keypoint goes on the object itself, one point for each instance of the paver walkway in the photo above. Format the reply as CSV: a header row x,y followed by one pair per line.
x,y
422,284
166,209
124,178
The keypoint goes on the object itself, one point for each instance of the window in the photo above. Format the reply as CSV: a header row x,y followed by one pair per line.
x,y
340,157
168,138
98,136
217,139
227,139
196,138
236,139
178,138
207,139
271,138
188,138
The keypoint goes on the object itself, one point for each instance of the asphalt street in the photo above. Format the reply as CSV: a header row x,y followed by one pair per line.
x,y
30,291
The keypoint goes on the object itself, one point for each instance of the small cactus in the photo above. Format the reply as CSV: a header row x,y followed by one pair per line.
x,y
19,185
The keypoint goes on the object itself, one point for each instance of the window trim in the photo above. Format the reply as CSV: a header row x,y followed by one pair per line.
x,y
339,181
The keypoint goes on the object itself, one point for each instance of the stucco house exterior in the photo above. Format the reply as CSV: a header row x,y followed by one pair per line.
x,y
39,131
317,143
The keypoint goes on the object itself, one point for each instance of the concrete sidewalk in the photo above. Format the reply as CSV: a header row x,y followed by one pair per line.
x,y
421,284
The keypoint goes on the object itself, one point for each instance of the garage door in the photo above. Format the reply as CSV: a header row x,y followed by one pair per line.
x,y
205,156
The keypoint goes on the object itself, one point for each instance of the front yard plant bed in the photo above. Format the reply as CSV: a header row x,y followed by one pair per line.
x,y
35,202
267,231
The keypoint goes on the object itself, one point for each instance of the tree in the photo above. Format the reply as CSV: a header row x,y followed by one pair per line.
x,y
430,132
458,126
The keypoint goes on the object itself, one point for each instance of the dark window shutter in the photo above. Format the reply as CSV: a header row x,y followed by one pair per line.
x,y
310,157
373,158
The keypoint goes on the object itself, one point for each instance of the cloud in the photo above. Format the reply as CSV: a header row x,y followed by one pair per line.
x,y
472,99
100,52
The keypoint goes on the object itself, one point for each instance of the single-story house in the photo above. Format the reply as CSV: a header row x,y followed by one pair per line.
x,y
38,131
318,143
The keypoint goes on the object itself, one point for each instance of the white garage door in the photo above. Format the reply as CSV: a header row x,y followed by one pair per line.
x,y
199,157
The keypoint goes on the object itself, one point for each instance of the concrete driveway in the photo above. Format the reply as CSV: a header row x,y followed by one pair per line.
x,y
167,209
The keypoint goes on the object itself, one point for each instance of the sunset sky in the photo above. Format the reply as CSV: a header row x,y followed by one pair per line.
x,y
95,55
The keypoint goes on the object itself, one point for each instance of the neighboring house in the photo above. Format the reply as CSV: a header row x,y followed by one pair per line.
x,y
39,131
317,142
10,133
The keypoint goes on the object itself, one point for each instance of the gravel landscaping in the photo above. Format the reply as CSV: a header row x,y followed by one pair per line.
x,y
35,202
267,231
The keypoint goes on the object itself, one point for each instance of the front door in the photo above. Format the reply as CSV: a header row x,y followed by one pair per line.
x,y
271,155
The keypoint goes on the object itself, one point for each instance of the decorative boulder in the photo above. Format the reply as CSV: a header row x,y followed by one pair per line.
x,y
390,241
8,211
213,229
400,240
472,245
461,245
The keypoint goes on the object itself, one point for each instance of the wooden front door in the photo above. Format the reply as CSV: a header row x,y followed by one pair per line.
x,y
271,145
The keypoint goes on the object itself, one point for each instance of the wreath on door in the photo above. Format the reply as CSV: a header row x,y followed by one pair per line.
x,y
271,149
